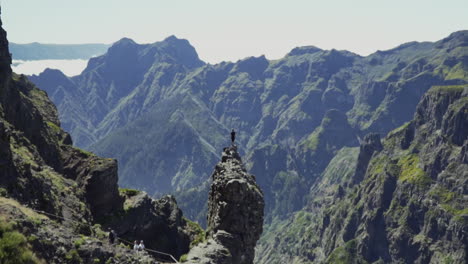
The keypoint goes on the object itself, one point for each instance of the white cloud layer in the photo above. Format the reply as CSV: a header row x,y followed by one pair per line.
x,y
68,67
232,30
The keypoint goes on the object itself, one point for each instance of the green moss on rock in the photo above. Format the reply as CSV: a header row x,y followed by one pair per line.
x,y
55,128
455,211
73,256
448,88
86,153
14,247
199,233
442,194
345,254
411,172
128,192
313,140
183,258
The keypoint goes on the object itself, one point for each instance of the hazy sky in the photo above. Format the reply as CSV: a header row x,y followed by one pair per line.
x,y
231,30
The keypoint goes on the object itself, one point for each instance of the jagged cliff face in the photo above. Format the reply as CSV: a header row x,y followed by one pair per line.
x,y
404,200
153,106
41,170
163,114
235,214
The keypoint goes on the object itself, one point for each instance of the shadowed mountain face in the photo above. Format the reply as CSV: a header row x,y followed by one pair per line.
x,y
165,115
56,199
402,200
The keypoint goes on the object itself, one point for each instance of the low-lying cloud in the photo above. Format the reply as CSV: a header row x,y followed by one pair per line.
x,y
68,67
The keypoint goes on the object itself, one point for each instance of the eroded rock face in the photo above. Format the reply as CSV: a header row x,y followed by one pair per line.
x,y
370,144
5,56
97,177
409,206
235,214
158,222
61,196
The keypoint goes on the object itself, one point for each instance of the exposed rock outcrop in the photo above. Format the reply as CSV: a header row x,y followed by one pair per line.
x,y
136,90
158,222
97,177
235,214
410,204
370,144
56,198
5,56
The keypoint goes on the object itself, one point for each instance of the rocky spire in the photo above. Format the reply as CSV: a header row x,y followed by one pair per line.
x,y
235,214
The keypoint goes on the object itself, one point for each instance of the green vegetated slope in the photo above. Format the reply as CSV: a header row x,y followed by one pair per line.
x,y
399,201
183,133
56,199
164,114
292,114
39,51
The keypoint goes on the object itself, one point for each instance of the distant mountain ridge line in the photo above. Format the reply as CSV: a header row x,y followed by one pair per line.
x,y
15,46
39,51
58,44
162,112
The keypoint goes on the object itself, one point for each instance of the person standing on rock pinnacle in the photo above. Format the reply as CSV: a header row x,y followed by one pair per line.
x,y
233,136
112,236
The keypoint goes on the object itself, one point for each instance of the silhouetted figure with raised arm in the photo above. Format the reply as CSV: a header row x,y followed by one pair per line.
x,y
233,136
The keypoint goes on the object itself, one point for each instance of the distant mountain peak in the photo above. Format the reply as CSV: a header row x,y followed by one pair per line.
x,y
181,49
398,48
253,65
253,58
303,50
176,42
125,41
458,34
52,73
456,39
123,47
172,38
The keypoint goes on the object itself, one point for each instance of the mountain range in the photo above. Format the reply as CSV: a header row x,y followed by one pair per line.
x,y
301,122
397,200
128,101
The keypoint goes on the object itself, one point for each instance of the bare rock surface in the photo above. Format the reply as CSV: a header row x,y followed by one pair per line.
x,y
235,214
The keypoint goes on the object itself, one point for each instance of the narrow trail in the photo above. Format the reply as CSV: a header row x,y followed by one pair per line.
x,y
168,258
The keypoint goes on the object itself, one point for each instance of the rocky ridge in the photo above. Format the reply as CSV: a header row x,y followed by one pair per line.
x,y
235,214
56,200
404,201
179,112
173,103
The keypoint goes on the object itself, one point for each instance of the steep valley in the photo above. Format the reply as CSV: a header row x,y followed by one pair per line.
x,y
160,111
399,200
357,159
